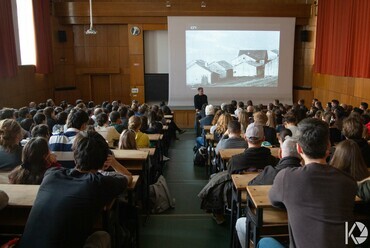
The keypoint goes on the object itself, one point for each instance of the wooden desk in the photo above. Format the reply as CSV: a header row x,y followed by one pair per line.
x,y
150,150
207,128
226,154
165,128
168,116
240,182
155,137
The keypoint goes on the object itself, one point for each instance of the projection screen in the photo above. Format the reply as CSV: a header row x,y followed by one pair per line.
x,y
237,58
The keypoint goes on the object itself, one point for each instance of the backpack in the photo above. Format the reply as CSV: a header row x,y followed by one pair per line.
x,y
200,157
160,197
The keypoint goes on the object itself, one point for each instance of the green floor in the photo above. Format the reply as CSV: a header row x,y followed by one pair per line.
x,y
187,225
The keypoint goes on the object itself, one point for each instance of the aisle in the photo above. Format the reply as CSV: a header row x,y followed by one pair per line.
x,y
186,225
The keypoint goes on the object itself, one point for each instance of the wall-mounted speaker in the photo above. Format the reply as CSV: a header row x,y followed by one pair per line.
x,y
62,36
305,35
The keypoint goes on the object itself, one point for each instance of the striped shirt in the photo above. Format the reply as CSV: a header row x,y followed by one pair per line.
x,y
61,146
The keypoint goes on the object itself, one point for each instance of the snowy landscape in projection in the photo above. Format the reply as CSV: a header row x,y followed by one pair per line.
x,y
225,58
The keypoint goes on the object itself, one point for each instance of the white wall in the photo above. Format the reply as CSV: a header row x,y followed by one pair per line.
x,y
156,51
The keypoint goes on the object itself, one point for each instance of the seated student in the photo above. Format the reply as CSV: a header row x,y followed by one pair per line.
x,y
36,159
243,119
290,122
41,130
127,140
221,126
39,118
60,124
10,150
61,143
115,121
50,117
334,132
289,159
231,138
353,129
154,126
142,139
72,199
207,120
348,158
254,157
123,111
319,198
110,134
260,118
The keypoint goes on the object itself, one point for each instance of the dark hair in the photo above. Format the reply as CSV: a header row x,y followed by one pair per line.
x,y
364,105
283,133
123,111
114,116
200,88
347,157
290,118
23,112
313,137
77,118
234,127
6,113
352,128
48,111
40,130
90,151
34,163
101,119
10,130
62,118
26,124
39,118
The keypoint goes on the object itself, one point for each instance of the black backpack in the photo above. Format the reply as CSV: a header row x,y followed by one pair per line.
x,y
200,157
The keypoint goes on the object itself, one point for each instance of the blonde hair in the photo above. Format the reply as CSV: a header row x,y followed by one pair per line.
x,y
127,140
215,118
260,118
10,130
134,123
222,123
244,120
348,158
271,119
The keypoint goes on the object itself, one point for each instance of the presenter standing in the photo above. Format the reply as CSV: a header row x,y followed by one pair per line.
x,y
199,100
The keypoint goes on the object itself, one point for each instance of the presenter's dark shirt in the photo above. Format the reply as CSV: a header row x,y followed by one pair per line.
x,y
199,100
67,205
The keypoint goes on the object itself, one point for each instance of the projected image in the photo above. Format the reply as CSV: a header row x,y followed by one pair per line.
x,y
224,58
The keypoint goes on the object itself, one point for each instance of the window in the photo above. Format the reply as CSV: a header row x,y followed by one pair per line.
x,y
26,32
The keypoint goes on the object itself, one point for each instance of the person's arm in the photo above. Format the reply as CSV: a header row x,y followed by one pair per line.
x,y
196,103
112,162
364,190
276,193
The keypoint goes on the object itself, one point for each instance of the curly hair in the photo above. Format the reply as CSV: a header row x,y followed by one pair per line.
x,y
10,130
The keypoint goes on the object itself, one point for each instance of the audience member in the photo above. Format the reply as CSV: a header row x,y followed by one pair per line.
x,y
10,150
36,159
290,122
221,126
127,140
231,138
50,117
39,118
109,133
41,130
254,157
142,139
315,189
77,196
348,158
116,121
261,119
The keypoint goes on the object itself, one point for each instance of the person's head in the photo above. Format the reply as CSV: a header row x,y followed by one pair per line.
x,y
49,112
200,91
123,111
364,106
102,119
289,148
222,123
318,105
243,119
260,118
24,112
50,103
250,108
290,119
115,117
26,124
41,130
10,134
241,105
134,123
217,115
90,151
210,110
254,135
127,140
234,127
313,138
284,134
34,155
97,111
62,118
329,118
301,102
334,103
39,118
352,128
7,113
348,158
78,119
276,102
271,119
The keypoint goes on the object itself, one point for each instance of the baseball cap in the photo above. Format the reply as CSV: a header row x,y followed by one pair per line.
x,y
254,132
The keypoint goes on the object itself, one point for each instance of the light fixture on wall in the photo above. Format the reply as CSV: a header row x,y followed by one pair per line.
x,y
91,30
203,4
168,4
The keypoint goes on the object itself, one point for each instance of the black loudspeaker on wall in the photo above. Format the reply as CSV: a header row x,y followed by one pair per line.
x,y
304,35
62,36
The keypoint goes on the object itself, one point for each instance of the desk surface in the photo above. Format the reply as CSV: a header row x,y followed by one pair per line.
x,y
131,154
226,154
207,128
155,137
260,196
168,116
241,181
150,150
20,195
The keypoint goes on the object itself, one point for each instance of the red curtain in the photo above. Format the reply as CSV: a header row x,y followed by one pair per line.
x,y
343,36
41,13
8,55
